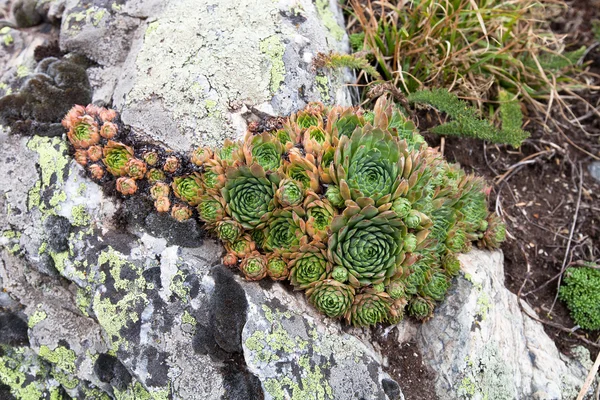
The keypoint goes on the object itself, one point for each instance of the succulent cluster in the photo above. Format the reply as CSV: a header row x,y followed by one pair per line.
x,y
350,206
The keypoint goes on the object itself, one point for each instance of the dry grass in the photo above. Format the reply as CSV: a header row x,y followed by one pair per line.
x,y
474,48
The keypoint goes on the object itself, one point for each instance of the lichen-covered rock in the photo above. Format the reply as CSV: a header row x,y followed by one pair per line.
x,y
298,355
191,75
482,346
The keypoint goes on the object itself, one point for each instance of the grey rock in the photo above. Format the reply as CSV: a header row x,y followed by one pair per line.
x,y
481,345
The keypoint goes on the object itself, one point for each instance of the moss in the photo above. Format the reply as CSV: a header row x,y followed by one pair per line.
x,y
274,49
80,216
580,292
328,18
62,357
36,318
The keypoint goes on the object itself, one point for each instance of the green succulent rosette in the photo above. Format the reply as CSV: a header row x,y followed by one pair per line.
x,y
116,156
307,118
367,242
155,175
277,267
228,230
241,247
83,132
303,170
340,274
370,163
420,307
435,286
309,264
265,150
369,309
319,213
290,193
211,208
250,195
343,121
258,235
451,264
254,266
494,234
231,153
188,188
285,231
213,177
331,297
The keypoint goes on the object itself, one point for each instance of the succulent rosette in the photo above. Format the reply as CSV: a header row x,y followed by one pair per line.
x,y
159,190
334,196
116,157
254,266
171,164
367,242
201,155
126,186
188,188
94,153
286,231
213,177
228,230
83,132
211,208
369,309
309,264
370,163
314,139
435,286
108,130
96,171
494,234
136,168
264,150
303,170
231,153
241,247
331,297
420,307
319,213
230,260
181,213
155,175
277,267
81,157
250,195
151,158
290,193
162,204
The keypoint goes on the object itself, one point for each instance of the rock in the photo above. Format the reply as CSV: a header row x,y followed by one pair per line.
x,y
25,13
296,353
482,346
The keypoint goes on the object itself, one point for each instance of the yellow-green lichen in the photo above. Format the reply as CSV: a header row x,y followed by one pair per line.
x,y
62,357
322,83
22,71
187,318
274,48
328,18
6,37
83,299
80,216
66,380
115,316
13,373
152,27
36,318
313,384
178,286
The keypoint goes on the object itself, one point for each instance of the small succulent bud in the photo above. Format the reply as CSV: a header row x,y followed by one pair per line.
x,y
334,196
401,206
151,158
136,168
107,115
159,190
171,164
181,213
155,175
73,116
126,186
96,171
340,274
230,260
92,110
81,157
228,230
116,156
379,288
94,153
162,204
413,219
290,193
396,290
254,266
410,243
109,130
201,155
451,264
